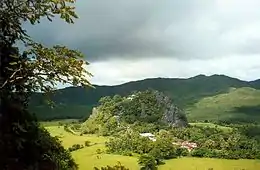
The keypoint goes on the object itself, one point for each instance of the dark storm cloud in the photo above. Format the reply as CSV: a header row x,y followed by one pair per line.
x,y
119,28
145,28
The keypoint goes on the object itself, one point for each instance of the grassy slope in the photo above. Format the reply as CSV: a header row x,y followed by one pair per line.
x,y
206,163
87,157
212,125
242,104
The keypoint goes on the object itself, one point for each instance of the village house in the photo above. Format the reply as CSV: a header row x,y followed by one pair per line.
x,y
188,145
185,144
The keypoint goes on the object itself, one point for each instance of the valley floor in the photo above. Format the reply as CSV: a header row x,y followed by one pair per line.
x,y
87,158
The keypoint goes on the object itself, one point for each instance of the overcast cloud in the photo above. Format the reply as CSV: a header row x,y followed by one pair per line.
x,y
126,40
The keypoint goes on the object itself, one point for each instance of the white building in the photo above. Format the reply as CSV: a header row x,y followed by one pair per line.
x,y
149,135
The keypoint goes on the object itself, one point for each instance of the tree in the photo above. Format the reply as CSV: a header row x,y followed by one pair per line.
x,y
37,68
147,162
163,149
87,143
42,67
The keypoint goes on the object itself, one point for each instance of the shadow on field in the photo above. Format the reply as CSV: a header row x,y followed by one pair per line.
x,y
245,114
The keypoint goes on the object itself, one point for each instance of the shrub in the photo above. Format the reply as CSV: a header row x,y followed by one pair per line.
x,y
182,152
75,147
67,129
76,126
200,152
147,162
116,167
163,149
127,153
87,143
98,151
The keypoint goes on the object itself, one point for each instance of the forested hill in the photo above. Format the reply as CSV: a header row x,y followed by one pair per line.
x,y
77,102
147,110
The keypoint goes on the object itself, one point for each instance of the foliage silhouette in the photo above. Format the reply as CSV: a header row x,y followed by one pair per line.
x,y
38,68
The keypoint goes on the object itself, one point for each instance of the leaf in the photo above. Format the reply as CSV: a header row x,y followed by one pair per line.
x,y
14,56
13,63
19,127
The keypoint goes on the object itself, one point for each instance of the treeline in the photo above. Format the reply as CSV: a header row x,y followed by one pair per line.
x,y
251,131
58,112
132,143
218,143
151,153
212,143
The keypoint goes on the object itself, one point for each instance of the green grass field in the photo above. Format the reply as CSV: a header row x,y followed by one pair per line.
x,y
87,157
207,163
212,125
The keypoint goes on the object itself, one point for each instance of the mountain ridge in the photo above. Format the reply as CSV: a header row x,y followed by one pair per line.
x,y
184,92
256,81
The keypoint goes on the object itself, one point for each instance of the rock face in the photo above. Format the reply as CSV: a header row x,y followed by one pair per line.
x,y
172,115
174,118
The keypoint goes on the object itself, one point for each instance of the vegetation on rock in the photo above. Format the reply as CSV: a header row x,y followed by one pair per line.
x,y
149,108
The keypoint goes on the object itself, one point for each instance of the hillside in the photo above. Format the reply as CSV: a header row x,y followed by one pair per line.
x,y
238,105
147,109
76,102
255,84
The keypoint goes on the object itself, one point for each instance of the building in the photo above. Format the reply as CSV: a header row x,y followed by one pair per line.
x,y
188,145
149,135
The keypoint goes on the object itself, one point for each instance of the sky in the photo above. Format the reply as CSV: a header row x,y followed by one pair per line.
x,y
127,40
